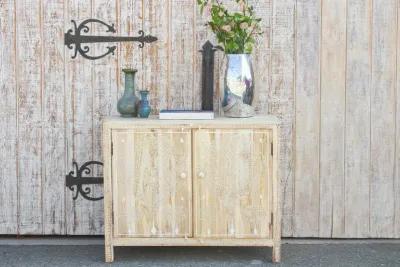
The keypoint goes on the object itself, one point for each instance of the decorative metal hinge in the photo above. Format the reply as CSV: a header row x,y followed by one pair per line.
x,y
75,37
82,182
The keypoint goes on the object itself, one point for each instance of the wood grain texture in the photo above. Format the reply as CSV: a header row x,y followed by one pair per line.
x,y
81,216
306,181
195,242
107,185
397,159
8,120
358,118
152,188
276,195
181,23
233,183
281,98
154,168
202,35
333,102
51,105
383,108
130,16
30,97
105,91
156,57
261,56
53,151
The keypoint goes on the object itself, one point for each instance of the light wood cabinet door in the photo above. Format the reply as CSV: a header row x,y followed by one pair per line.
x,y
152,183
232,183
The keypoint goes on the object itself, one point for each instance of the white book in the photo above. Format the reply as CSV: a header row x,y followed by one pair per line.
x,y
186,115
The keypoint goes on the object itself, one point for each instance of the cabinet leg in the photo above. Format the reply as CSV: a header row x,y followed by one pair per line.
x,y
276,254
109,253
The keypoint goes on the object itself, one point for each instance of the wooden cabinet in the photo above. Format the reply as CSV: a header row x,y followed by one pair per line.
x,y
191,183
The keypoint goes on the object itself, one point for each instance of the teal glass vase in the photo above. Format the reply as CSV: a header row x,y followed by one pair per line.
x,y
128,103
144,107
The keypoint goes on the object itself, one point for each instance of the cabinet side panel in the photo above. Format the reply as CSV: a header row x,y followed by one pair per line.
x,y
276,197
107,157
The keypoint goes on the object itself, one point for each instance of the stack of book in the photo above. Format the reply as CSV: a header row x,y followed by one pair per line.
x,y
186,115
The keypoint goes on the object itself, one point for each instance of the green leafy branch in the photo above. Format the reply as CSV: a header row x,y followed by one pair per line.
x,y
235,31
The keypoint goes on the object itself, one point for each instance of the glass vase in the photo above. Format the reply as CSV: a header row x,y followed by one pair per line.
x,y
128,103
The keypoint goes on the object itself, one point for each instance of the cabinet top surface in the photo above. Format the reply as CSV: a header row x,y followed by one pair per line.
x,y
257,121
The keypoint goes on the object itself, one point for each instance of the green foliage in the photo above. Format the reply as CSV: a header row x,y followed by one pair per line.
x,y
235,31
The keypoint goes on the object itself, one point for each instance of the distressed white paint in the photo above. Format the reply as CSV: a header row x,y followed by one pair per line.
x,y
333,101
358,118
328,69
306,179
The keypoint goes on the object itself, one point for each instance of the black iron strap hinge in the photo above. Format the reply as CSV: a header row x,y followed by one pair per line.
x,y
78,40
80,180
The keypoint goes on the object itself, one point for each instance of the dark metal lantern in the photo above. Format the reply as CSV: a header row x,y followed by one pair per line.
x,y
207,77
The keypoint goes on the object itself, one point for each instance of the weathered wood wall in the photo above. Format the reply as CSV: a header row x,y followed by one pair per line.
x,y
330,69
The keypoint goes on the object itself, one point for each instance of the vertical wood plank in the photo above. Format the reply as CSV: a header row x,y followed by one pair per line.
x,y
333,99
306,181
397,173
202,35
358,118
130,55
276,184
156,56
108,209
262,51
181,54
383,117
80,216
221,62
281,98
29,86
53,187
105,91
8,118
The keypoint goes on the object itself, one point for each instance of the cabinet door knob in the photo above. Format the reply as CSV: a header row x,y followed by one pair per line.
x,y
201,175
183,175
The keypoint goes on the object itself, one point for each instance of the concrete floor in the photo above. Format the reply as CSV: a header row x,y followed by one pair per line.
x,y
294,254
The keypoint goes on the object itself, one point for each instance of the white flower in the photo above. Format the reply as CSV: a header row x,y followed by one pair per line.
x,y
226,28
221,13
244,25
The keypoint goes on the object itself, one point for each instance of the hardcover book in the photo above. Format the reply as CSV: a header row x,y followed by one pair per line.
x,y
186,115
